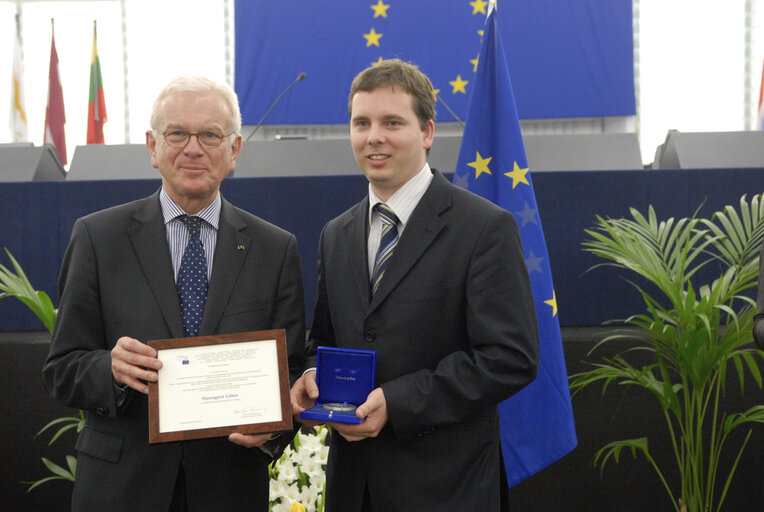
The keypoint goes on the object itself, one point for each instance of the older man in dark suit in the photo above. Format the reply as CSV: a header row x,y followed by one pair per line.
x,y
433,278
124,282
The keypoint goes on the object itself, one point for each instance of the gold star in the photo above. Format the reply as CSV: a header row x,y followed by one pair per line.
x,y
378,61
475,63
481,165
480,33
518,175
380,9
552,302
372,38
435,93
458,85
478,6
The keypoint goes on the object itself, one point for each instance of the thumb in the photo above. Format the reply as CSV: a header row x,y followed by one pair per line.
x,y
311,388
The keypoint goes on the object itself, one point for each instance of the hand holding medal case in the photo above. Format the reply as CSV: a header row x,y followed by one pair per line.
x,y
344,377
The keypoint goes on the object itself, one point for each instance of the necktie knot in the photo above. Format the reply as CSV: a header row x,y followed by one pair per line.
x,y
193,224
387,215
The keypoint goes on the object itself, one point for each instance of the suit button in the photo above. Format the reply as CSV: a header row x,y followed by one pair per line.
x,y
370,336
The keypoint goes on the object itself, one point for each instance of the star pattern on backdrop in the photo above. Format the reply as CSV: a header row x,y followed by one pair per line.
x,y
458,85
474,63
478,6
372,38
527,215
480,165
553,303
518,175
533,263
380,9
462,180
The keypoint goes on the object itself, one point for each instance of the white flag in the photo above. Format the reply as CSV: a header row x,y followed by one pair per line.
x,y
18,121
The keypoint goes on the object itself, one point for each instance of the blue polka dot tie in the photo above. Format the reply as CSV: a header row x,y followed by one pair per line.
x,y
387,243
192,277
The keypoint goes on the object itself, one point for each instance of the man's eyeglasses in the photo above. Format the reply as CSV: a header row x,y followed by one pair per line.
x,y
179,138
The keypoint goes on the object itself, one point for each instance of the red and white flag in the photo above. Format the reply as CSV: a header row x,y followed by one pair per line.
x,y
760,114
55,117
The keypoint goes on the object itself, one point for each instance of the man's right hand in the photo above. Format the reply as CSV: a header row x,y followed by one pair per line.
x,y
303,395
133,362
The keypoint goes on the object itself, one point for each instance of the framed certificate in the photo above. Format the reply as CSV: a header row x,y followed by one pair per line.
x,y
211,386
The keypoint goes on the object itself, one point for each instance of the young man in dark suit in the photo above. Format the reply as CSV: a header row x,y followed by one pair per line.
x,y
435,282
118,290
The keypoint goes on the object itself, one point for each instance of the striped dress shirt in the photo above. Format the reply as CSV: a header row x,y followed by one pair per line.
x,y
402,203
178,234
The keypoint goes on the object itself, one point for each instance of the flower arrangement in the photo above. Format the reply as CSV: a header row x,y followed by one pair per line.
x,y
298,478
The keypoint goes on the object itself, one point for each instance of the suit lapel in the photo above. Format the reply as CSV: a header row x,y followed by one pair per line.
x,y
149,239
231,250
357,232
423,227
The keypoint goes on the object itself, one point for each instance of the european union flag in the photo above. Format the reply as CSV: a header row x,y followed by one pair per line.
x,y
537,425
572,58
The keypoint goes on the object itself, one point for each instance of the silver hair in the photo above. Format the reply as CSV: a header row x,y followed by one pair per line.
x,y
199,84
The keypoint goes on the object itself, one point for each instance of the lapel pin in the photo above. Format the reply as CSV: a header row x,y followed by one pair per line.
x,y
240,247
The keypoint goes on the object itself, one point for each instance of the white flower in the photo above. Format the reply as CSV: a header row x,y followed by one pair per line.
x,y
287,472
308,459
322,453
280,507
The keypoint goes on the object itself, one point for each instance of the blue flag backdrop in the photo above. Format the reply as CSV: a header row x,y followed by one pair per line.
x,y
570,58
537,426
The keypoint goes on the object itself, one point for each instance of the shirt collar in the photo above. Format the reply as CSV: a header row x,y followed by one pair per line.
x,y
404,200
171,210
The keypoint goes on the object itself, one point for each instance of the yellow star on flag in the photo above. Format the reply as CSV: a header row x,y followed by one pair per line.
x,y
378,61
481,165
518,175
380,9
372,38
435,93
474,63
480,33
552,302
458,85
478,6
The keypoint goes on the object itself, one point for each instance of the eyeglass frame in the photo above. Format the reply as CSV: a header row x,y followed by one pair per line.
x,y
189,135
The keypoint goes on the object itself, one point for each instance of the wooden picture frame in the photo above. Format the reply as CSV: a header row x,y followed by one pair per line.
x,y
212,386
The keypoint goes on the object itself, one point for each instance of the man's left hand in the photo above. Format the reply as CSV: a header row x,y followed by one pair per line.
x,y
374,409
249,440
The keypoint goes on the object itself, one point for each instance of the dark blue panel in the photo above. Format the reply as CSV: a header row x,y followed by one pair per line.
x,y
567,58
38,218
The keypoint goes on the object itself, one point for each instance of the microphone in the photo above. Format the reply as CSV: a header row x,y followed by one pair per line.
x,y
451,111
301,76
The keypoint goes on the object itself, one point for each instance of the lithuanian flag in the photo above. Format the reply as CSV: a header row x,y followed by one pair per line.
x,y
96,103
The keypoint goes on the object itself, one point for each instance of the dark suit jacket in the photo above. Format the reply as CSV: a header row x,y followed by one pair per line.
x,y
117,280
758,319
454,327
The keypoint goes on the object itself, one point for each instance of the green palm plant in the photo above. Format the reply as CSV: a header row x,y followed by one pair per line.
x,y
14,283
695,335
